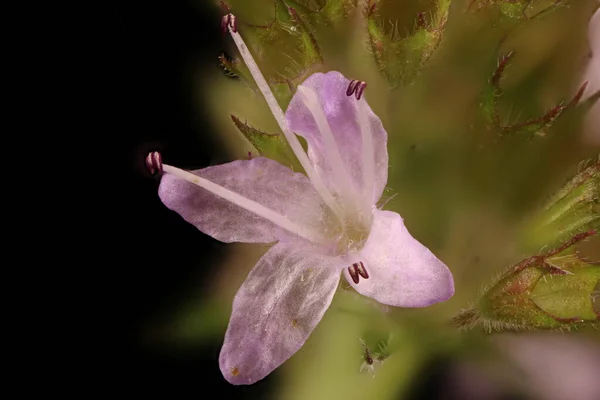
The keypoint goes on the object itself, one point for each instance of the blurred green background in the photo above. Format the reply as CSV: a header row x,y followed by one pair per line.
x,y
464,190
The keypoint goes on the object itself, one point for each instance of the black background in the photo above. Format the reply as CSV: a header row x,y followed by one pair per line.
x,y
155,52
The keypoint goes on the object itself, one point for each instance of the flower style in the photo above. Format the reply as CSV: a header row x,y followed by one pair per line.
x,y
322,223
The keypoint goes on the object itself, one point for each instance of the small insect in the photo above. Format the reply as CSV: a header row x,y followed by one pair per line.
x,y
370,359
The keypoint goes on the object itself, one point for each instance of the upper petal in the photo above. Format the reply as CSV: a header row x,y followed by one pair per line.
x,y
260,179
402,272
275,310
342,115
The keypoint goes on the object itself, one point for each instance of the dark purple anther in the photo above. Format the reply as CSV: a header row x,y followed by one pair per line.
x,y
357,88
351,87
228,21
353,274
225,23
357,270
362,271
154,162
360,88
233,22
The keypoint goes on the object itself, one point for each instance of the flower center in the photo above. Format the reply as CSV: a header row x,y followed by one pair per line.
x,y
349,234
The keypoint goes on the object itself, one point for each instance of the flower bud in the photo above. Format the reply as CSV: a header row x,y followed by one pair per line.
x,y
556,290
400,59
575,208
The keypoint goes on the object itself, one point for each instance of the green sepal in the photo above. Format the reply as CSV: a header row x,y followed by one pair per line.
x,y
575,208
568,296
556,290
537,126
400,59
270,145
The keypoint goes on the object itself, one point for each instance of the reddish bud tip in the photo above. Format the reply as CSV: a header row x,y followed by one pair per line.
x,y
371,7
578,95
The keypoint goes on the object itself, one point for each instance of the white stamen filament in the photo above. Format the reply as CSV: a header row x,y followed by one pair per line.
x,y
245,203
311,101
280,118
368,153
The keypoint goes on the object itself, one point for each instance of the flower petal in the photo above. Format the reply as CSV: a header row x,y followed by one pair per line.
x,y
402,272
341,112
275,310
260,179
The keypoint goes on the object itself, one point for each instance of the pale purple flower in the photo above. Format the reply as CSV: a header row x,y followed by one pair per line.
x,y
322,223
